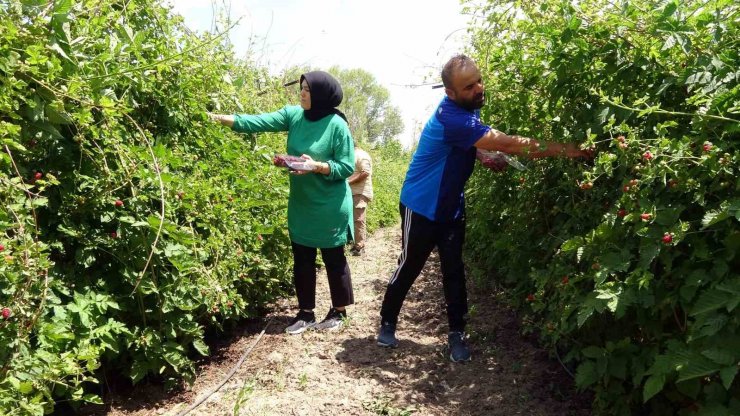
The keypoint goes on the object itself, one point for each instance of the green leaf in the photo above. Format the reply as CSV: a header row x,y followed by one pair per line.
x,y
653,386
56,116
14,382
9,62
25,387
710,300
14,145
712,324
713,217
617,261
572,244
172,249
127,219
728,375
62,7
669,42
592,352
668,216
201,347
669,9
719,356
138,370
58,49
92,398
611,296
48,128
586,309
690,388
575,23
586,374
696,366
39,202
649,249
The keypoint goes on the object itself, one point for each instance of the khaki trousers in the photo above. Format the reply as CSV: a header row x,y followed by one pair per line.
x,y
359,203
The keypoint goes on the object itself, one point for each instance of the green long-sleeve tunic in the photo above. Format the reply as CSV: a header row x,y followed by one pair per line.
x,y
319,206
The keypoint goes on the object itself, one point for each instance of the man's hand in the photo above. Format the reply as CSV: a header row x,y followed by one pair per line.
x,y
495,162
573,151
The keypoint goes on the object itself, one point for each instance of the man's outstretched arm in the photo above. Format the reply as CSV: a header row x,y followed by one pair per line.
x,y
524,146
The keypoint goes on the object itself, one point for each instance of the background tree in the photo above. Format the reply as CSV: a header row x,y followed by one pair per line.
x,y
367,105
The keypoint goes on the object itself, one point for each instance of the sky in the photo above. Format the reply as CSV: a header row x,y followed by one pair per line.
x,y
401,42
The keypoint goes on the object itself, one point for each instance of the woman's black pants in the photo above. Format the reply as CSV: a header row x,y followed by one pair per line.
x,y
304,275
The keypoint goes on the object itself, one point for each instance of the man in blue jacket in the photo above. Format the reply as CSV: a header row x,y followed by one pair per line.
x,y
432,198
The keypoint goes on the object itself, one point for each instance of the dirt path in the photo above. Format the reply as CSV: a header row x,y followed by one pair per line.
x,y
345,373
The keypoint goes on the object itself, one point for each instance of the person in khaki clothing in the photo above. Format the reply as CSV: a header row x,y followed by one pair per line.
x,y
362,193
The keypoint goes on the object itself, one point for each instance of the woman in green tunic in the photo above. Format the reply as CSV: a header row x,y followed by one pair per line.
x,y
320,201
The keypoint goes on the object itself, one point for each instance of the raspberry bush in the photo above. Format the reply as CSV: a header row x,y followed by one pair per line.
x,y
647,316
131,224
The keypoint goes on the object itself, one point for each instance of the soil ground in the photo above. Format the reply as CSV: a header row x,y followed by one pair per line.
x,y
346,373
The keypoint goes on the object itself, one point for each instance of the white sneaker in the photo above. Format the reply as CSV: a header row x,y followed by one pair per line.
x,y
333,321
303,321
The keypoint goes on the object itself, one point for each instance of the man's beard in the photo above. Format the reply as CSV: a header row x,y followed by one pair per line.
x,y
474,104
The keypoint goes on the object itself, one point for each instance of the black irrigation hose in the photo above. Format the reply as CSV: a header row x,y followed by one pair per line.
x,y
563,364
228,376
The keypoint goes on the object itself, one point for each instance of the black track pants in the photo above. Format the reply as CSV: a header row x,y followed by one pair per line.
x,y
420,236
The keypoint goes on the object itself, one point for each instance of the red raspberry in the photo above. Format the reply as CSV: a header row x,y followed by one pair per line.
x,y
6,313
530,298
38,175
667,238
565,280
622,213
119,203
646,216
647,155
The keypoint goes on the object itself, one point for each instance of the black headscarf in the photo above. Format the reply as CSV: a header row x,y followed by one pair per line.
x,y
326,95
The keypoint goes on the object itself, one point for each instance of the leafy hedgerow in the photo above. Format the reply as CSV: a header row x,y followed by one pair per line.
x,y
628,264
130,223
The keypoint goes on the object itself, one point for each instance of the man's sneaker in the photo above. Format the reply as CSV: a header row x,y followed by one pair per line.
x,y
303,321
458,348
387,335
333,321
